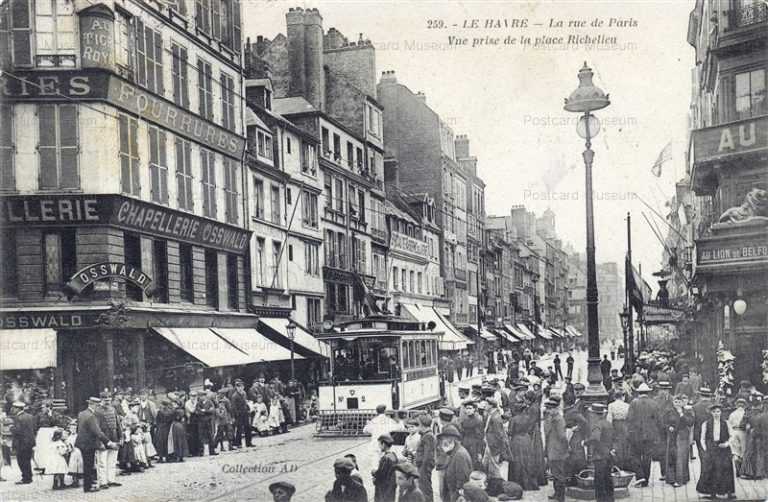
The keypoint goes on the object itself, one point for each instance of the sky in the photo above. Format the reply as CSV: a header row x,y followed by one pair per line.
x,y
509,100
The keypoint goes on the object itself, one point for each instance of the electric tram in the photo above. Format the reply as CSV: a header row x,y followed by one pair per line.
x,y
381,360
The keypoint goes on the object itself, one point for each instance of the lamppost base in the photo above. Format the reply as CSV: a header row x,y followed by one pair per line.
x,y
595,391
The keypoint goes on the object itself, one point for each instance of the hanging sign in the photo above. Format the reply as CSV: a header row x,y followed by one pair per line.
x,y
107,270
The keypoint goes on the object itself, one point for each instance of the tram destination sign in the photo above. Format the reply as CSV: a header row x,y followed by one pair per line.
x,y
123,212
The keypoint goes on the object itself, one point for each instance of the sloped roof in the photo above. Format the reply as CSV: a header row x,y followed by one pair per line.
x,y
296,104
252,119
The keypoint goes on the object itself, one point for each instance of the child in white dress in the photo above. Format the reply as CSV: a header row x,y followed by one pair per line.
x,y
56,461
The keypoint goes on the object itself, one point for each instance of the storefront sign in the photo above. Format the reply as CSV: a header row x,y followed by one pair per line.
x,y
730,253
177,120
409,245
47,319
55,85
65,210
335,275
740,137
88,275
97,26
123,212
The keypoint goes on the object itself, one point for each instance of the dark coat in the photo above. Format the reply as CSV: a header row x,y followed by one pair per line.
x,y
425,452
472,439
600,439
384,478
700,415
239,403
496,437
354,491
23,431
456,474
717,468
412,495
642,420
89,434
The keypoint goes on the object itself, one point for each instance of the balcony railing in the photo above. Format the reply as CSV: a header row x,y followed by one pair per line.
x,y
335,261
747,15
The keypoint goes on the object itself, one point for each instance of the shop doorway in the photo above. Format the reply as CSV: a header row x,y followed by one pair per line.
x,y
88,356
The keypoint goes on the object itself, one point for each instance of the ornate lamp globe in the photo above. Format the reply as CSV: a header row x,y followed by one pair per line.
x,y
587,97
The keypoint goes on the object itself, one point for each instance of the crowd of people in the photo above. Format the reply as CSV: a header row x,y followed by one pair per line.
x,y
124,433
515,435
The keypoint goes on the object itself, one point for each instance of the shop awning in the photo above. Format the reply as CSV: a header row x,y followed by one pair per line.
x,y
452,339
484,333
27,349
556,333
508,335
574,332
205,346
516,334
523,329
303,340
258,347
543,332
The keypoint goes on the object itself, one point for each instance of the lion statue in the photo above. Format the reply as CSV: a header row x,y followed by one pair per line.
x,y
755,205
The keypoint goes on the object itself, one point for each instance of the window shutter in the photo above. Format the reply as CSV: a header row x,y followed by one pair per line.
x,y
201,85
68,141
158,69
21,27
5,36
7,149
212,177
161,147
180,199
216,19
141,52
176,71
133,139
46,147
204,179
184,77
236,29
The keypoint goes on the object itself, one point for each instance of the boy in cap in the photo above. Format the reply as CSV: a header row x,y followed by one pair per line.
x,y
406,477
384,475
346,488
282,491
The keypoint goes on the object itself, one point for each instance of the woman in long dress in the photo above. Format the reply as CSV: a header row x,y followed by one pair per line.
x,y
717,469
177,438
679,422
538,466
519,469
754,461
164,421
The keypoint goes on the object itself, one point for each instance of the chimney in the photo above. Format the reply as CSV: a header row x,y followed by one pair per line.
x,y
423,97
334,39
295,33
461,144
313,58
388,77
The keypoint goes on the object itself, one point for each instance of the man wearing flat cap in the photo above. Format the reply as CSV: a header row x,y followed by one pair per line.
x,y
600,443
406,477
282,491
384,475
346,488
23,440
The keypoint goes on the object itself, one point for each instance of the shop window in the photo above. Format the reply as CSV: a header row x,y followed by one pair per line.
x,y
233,286
180,75
9,279
212,278
60,259
132,250
58,146
187,281
7,148
160,271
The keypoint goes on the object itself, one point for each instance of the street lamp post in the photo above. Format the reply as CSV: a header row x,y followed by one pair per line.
x,y
587,98
628,356
291,329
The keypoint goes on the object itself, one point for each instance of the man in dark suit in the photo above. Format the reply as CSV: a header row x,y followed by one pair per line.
x,y
642,429
701,415
600,442
497,446
23,441
556,444
89,439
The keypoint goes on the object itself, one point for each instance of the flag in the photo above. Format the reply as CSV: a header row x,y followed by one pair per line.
x,y
639,290
664,156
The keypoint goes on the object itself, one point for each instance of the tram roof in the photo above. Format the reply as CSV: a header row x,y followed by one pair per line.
x,y
377,333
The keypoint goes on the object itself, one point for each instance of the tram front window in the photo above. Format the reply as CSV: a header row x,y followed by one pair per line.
x,y
366,359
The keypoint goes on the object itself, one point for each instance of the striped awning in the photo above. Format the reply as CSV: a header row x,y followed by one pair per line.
x,y
523,329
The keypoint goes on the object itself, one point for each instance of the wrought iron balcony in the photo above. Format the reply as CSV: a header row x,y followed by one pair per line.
x,y
747,15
